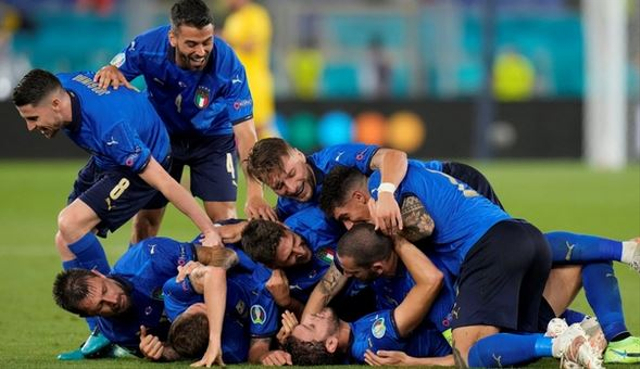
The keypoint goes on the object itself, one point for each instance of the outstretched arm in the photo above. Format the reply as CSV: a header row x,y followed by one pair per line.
x,y
428,278
155,175
399,358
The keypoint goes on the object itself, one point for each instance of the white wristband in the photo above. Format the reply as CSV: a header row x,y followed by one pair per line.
x,y
387,187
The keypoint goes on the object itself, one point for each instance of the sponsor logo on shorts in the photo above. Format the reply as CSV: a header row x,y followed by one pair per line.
x,y
258,315
378,329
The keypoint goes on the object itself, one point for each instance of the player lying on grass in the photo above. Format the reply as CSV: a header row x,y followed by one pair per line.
x,y
131,294
238,304
322,338
199,87
126,172
450,207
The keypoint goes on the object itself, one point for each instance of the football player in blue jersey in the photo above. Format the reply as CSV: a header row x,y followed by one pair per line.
x,y
199,88
346,196
250,318
130,295
297,179
130,151
321,338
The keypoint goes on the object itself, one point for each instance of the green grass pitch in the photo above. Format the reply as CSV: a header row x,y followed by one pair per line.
x,y
551,195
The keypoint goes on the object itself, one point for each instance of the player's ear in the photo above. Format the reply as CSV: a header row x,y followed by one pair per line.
x,y
359,197
172,37
331,344
378,267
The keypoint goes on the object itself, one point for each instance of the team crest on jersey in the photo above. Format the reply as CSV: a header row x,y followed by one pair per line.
x,y
326,255
258,315
118,60
378,329
201,99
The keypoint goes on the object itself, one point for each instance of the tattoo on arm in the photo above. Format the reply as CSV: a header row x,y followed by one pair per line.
x,y
418,224
330,283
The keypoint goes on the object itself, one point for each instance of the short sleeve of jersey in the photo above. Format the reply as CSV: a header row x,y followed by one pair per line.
x,y
167,254
349,155
376,331
263,314
128,60
178,296
124,147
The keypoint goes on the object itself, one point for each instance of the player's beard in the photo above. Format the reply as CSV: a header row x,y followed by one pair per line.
x,y
189,62
127,311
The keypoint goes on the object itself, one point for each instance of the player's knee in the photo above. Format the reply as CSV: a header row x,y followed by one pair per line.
x,y
70,225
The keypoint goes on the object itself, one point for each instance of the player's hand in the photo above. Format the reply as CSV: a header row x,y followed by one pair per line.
x,y
231,233
289,321
386,214
212,356
278,286
211,239
276,358
150,345
258,208
387,358
110,75
185,270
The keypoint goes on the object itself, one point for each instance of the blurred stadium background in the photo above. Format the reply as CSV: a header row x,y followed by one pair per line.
x,y
542,95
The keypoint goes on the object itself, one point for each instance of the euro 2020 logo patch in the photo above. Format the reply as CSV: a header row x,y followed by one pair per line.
x,y
201,99
258,315
378,329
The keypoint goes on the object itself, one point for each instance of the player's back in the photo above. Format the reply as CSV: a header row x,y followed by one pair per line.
x,y
461,216
110,119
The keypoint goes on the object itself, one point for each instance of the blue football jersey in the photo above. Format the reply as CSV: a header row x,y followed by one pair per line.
x,y
118,127
378,331
206,102
390,292
460,215
321,235
355,155
250,311
144,268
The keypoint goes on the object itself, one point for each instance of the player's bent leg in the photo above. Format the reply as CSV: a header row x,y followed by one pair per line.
x,y
76,220
465,337
145,224
218,210
562,287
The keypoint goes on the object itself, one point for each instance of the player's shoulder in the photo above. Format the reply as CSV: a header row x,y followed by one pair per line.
x,y
154,39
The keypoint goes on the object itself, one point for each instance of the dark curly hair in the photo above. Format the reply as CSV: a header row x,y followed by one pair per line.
x,y
70,288
260,240
34,86
310,352
336,187
189,335
193,13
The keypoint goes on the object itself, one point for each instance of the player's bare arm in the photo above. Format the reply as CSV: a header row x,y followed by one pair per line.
x,y
399,358
159,179
412,310
418,224
330,285
222,257
256,206
393,167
